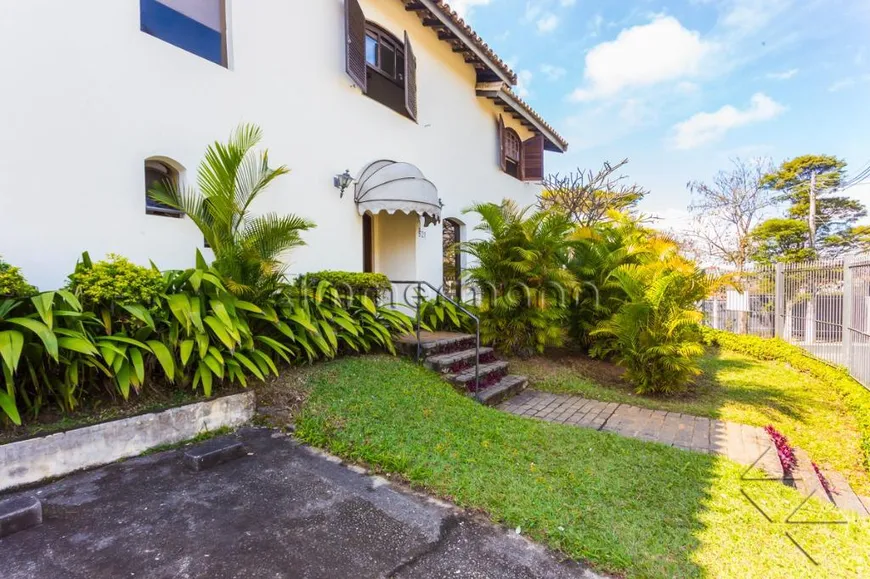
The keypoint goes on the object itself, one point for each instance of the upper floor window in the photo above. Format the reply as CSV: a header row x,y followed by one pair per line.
x,y
160,174
197,26
384,67
523,160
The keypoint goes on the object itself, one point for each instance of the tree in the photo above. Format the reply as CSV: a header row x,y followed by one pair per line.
x,y
520,274
232,176
781,240
830,227
726,211
587,197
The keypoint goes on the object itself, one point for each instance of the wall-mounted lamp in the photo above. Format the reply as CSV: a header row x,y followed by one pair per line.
x,y
342,182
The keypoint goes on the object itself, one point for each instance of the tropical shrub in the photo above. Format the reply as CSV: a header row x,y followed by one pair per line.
x,y
350,283
596,252
655,333
439,315
12,282
115,280
248,249
520,275
193,334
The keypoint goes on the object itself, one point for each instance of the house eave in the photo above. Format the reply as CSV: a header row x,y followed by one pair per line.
x,y
502,96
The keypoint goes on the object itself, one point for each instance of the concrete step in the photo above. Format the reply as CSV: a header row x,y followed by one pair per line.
x,y
507,387
489,373
843,495
805,478
435,343
446,362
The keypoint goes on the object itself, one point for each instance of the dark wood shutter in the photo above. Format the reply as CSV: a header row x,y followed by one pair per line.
x,y
533,159
502,162
410,79
355,36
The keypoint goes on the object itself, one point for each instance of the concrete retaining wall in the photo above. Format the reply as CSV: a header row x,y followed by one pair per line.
x,y
33,460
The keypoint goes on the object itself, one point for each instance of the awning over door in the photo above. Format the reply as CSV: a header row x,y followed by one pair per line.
x,y
390,186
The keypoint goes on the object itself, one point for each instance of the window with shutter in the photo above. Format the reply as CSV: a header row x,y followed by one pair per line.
x,y
500,146
358,45
533,159
513,153
410,79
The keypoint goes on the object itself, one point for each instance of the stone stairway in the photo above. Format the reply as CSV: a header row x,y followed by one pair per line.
x,y
453,355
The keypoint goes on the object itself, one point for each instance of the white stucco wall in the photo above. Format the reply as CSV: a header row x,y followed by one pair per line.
x,y
88,97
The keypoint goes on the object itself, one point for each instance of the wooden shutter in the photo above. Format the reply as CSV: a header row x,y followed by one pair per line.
x,y
355,36
410,79
533,159
502,161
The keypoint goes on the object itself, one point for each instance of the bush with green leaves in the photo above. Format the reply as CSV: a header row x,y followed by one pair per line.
x,y
439,315
248,248
115,280
520,275
12,282
348,283
655,333
196,334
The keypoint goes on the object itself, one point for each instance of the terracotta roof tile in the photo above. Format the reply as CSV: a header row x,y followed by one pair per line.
x,y
454,17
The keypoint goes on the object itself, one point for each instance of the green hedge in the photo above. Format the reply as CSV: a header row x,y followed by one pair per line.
x,y
856,397
353,283
12,282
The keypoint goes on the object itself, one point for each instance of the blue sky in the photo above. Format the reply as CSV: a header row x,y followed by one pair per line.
x,y
681,86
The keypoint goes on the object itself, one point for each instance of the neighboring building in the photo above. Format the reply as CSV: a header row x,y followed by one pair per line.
x,y
97,95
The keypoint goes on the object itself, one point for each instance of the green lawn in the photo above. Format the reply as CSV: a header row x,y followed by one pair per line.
x,y
629,507
737,388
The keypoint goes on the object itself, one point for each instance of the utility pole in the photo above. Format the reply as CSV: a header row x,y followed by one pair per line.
x,y
813,209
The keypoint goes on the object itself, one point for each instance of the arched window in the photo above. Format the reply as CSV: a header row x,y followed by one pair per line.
x,y
513,151
157,172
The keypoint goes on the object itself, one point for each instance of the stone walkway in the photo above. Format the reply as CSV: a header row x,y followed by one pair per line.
x,y
739,442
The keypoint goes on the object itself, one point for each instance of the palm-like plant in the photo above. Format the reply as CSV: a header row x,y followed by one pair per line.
x,y
655,333
247,248
520,274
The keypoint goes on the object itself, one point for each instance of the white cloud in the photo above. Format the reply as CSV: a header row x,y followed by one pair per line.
x,y
547,23
706,127
463,7
784,75
567,3
643,55
524,81
848,82
747,16
553,72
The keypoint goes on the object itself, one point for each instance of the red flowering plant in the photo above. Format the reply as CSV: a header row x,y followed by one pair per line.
x,y
783,449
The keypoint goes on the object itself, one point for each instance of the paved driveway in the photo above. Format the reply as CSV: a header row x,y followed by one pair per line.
x,y
281,511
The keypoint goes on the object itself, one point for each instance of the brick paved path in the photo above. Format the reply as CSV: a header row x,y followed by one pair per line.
x,y
739,442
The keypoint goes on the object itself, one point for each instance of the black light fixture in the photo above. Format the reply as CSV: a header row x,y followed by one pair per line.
x,y
343,181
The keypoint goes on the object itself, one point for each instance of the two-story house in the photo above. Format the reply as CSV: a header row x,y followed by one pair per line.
x,y
102,97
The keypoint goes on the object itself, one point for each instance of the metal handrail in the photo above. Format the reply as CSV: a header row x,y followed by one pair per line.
x,y
420,284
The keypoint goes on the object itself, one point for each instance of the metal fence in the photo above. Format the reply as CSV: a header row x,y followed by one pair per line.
x,y
821,306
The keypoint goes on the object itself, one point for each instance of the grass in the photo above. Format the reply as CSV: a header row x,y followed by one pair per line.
x,y
626,506
736,388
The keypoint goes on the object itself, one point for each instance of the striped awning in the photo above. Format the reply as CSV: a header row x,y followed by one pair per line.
x,y
391,186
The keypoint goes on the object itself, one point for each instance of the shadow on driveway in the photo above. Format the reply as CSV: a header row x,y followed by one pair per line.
x,y
281,511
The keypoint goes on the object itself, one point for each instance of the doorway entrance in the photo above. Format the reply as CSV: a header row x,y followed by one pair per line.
x,y
452,259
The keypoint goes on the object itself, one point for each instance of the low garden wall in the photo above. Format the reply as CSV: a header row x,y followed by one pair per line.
x,y
36,459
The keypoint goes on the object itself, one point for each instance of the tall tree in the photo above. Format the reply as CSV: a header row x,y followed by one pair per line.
x,y
781,240
810,183
586,197
726,211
